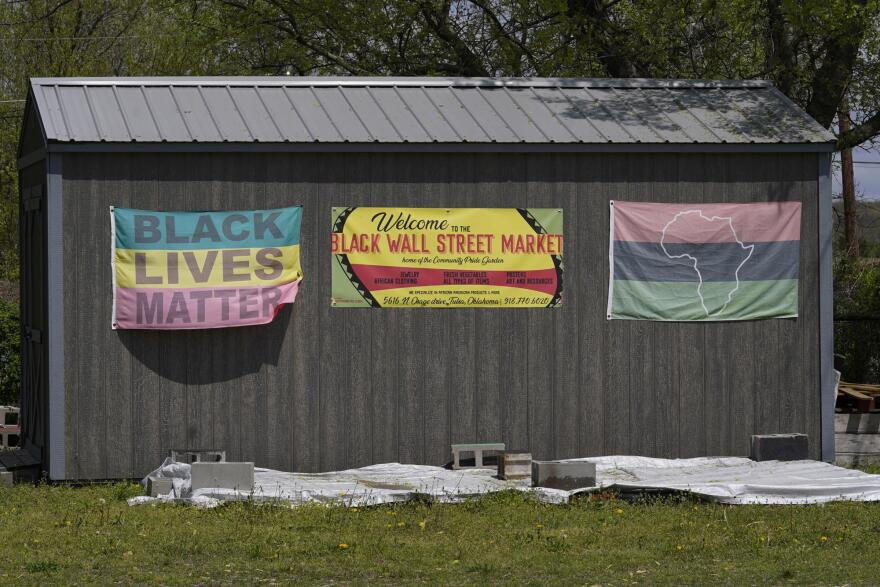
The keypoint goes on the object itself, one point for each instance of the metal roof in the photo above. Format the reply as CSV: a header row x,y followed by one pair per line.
x,y
418,111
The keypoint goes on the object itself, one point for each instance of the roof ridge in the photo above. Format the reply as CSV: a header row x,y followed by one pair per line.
x,y
392,81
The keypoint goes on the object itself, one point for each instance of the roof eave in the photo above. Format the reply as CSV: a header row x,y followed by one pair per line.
x,y
436,147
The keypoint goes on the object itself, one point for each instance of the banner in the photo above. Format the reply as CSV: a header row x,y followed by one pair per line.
x,y
185,270
446,257
704,261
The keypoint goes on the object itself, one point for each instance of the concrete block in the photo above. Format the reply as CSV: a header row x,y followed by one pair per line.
x,y
6,478
514,464
197,456
159,486
477,449
566,475
239,476
779,447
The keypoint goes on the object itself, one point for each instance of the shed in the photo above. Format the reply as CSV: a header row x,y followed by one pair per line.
x,y
323,388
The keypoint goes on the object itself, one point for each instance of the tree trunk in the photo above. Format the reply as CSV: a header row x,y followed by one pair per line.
x,y
851,237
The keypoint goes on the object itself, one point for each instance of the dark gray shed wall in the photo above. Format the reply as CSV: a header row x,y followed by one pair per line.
x,y
35,328
323,388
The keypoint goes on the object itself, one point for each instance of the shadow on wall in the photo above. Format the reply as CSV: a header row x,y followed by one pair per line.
x,y
199,357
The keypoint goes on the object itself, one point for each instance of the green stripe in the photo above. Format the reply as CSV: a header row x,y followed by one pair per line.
x,y
663,300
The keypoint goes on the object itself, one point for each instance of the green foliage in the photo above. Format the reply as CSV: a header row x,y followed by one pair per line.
x,y
857,340
87,535
10,354
80,38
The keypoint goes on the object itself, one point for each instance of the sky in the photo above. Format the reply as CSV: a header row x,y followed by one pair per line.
x,y
867,173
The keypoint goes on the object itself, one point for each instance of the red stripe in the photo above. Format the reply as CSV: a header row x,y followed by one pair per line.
x,y
379,277
756,222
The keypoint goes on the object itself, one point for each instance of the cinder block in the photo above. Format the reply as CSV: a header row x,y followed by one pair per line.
x,y
159,486
566,475
239,476
514,464
197,456
779,447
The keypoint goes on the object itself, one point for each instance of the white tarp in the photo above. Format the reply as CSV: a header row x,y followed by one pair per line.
x,y
731,480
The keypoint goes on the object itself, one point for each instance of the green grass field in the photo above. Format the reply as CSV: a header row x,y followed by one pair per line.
x,y
89,535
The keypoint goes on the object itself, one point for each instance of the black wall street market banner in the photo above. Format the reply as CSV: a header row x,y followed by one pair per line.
x,y
446,257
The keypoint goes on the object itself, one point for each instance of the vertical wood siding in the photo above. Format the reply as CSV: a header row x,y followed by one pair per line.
x,y
327,388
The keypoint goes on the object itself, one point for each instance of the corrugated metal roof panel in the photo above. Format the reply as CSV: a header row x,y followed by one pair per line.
x,y
479,104
419,110
579,126
514,117
108,116
49,110
284,115
196,115
456,115
427,114
257,119
371,115
311,112
77,115
166,114
224,114
346,122
399,114
136,114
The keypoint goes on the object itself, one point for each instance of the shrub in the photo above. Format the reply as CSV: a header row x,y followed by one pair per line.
x,y
10,354
857,339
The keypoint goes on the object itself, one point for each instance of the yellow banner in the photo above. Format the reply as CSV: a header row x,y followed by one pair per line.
x,y
446,257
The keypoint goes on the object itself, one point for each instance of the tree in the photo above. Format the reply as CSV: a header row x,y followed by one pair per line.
x,y
815,51
77,38
10,354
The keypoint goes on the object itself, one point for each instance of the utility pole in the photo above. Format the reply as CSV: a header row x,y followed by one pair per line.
x,y
851,237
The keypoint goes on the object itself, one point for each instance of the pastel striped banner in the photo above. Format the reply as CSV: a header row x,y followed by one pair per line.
x,y
189,270
703,261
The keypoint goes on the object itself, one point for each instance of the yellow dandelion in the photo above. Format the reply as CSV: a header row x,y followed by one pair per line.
x,y
343,545
679,547
422,524
401,524
824,538
619,510
539,526
354,509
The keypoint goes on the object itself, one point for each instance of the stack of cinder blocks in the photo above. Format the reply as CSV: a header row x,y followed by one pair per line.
x,y
514,464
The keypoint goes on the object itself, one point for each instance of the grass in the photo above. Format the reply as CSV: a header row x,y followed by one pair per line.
x,y
88,535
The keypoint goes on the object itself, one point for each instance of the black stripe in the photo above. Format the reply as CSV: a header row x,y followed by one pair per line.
x,y
715,261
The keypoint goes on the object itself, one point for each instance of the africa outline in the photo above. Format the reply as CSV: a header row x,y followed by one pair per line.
x,y
729,220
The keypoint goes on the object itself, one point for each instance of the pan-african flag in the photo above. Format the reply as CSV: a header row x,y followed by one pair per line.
x,y
704,261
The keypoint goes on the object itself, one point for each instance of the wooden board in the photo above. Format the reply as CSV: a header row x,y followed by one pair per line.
x,y
857,423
